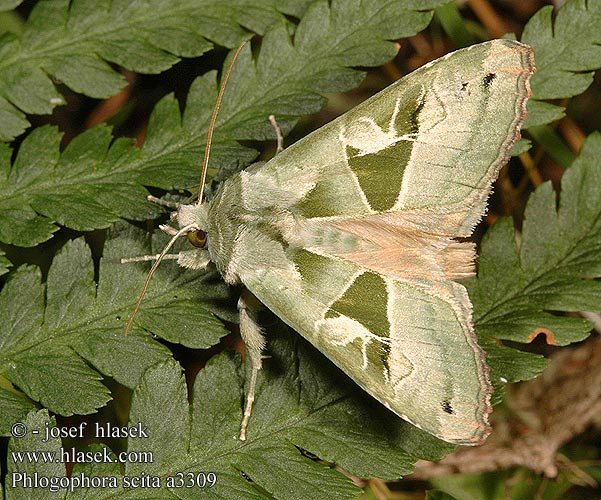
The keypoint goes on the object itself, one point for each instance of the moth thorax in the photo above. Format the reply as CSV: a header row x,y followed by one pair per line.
x,y
196,215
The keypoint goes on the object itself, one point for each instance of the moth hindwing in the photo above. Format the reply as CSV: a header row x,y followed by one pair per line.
x,y
349,235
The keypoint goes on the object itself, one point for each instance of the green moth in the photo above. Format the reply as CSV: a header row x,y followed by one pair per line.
x,y
349,235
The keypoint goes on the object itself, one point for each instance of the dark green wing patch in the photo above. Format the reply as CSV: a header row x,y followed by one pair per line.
x,y
366,301
312,267
320,202
380,174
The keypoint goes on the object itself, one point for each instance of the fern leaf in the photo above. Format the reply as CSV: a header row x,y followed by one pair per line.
x,y
4,263
301,411
552,269
13,408
73,42
38,189
565,63
41,181
48,331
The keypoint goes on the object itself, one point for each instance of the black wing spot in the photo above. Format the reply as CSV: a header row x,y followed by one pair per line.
x,y
447,408
488,79
414,116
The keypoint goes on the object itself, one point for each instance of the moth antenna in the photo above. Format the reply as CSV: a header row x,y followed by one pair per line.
x,y
203,176
205,162
160,257
146,258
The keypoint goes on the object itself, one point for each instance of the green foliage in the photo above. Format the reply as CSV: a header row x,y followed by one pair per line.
x,y
13,408
552,268
61,333
285,81
4,263
104,179
48,468
301,406
517,485
72,42
567,52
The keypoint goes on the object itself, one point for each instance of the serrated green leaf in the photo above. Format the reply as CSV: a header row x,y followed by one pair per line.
x,y
4,263
89,186
72,42
12,121
328,41
48,330
32,368
567,49
13,409
565,63
284,80
163,387
29,89
19,471
551,270
540,112
9,4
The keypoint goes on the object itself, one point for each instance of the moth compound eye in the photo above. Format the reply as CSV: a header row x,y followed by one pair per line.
x,y
197,238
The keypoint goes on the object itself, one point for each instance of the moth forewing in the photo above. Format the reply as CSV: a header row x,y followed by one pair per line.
x,y
349,234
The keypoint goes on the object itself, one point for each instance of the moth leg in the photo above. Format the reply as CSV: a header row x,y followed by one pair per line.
x,y
163,203
252,335
171,204
278,134
168,229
